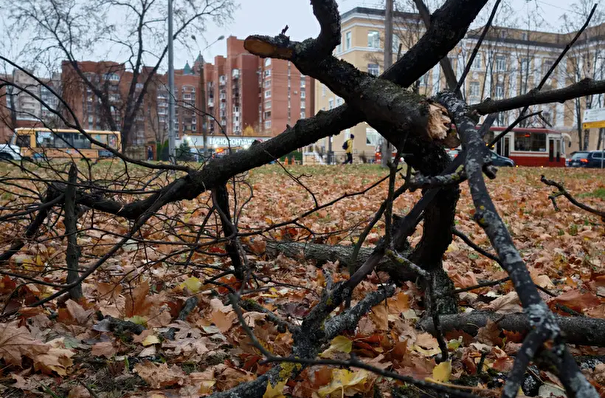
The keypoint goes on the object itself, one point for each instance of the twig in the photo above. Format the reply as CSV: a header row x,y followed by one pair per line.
x,y
552,68
477,46
563,192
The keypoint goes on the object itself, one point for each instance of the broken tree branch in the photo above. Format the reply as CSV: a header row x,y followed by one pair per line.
x,y
563,192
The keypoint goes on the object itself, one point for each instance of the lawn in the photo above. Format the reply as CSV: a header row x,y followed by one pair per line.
x,y
149,281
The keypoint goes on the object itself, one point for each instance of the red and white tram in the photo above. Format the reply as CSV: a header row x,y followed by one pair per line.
x,y
530,146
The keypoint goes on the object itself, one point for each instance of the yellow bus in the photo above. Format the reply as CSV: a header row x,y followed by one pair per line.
x,y
61,143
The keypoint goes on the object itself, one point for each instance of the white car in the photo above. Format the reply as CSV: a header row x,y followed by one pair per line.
x,y
10,152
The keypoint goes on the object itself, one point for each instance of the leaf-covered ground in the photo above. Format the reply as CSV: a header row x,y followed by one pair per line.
x,y
72,349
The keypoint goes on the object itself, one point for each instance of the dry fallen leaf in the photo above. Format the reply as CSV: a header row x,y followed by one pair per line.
x,y
159,375
16,342
104,349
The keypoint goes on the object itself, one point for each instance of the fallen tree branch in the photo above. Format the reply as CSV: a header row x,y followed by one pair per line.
x,y
544,325
576,330
563,192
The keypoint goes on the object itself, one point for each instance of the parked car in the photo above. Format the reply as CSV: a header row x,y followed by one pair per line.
x,y
10,152
502,161
588,159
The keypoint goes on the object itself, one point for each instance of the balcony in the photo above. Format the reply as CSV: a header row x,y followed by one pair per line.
x,y
235,73
222,80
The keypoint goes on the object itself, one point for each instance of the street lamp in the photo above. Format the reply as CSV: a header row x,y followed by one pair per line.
x,y
171,132
203,90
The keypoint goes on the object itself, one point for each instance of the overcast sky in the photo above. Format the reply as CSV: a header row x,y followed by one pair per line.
x,y
270,16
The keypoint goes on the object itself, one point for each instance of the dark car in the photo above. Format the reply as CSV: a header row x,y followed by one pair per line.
x,y
502,161
588,159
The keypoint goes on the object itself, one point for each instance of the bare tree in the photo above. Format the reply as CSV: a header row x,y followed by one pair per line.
x,y
587,63
133,29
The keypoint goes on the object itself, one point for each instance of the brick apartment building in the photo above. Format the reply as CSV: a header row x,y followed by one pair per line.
x,y
151,122
28,111
247,96
252,96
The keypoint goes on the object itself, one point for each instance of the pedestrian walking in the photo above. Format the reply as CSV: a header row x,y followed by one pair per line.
x,y
348,147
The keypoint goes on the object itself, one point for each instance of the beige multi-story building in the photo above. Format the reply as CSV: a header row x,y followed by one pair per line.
x,y
510,62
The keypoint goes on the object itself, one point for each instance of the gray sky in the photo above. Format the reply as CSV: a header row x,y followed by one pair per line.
x,y
253,17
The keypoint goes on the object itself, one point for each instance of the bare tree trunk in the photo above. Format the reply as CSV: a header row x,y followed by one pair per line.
x,y
71,230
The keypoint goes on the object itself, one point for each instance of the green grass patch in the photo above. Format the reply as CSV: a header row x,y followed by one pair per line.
x,y
597,193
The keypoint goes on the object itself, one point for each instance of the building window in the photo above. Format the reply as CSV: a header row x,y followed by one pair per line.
x,y
330,103
268,115
267,72
112,76
396,42
474,89
267,83
499,91
303,105
500,63
372,137
302,114
303,82
303,94
267,124
373,69
477,61
267,93
267,61
348,40
524,36
267,104
323,90
546,65
373,39
530,142
525,66
338,101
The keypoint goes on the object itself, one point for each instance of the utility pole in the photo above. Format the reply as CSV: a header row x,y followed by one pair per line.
x,y
203,106
388,60
171,132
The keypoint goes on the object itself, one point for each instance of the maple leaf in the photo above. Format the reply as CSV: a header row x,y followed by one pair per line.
x,y
275,391
16,342
338,344
56,359
576,300
105,349
159,375
79,314
345,382
380,316
138,301
223,316
490,334
442,372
